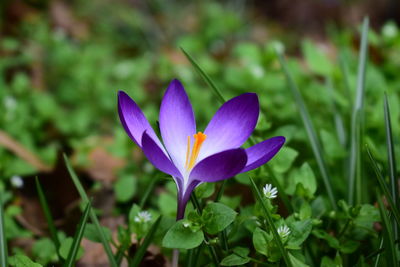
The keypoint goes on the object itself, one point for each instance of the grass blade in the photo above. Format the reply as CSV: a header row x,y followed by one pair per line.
x,y
312,136
93,216
356,122
3,240
388,236
282,194
378,256
391,161
148,191
205,77
344,68
78,237
271,224
137,258
339,125
47,215
384,188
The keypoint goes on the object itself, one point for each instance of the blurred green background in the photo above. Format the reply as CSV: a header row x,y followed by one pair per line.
x,y
62,63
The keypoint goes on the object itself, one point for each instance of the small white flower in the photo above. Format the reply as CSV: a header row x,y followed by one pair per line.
x,y
283,231
17,181
10,103
143,217
270,192
186,224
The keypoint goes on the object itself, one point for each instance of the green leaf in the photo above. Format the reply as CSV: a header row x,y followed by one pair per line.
x,y
93,235
217,217
65,247
284,160
167,204
183,237
304,176
300,230
261,239
22,261
205,190
332,241
328,262
44,250
296,262
305,211
239,257
125,188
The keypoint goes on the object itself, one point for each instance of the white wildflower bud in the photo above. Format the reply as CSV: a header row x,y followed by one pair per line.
x,y
16,181
269,191
143,217
283,231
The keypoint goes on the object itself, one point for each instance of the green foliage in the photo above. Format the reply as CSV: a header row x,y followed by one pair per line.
x,y
65,247
180,235
22,261
238,257
58,93
125,188
217,217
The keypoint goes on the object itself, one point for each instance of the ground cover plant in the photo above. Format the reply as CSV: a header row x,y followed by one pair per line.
x,y
315,183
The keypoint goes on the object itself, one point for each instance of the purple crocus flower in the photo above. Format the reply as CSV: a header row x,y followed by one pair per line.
x,y
193,158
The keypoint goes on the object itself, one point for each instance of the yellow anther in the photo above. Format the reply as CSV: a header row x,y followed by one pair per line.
x,y
199,138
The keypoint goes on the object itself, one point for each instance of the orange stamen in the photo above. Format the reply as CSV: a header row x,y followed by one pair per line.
x,y
199,138
187,152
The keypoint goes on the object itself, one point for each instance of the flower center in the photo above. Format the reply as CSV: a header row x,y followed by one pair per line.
x,y
191,156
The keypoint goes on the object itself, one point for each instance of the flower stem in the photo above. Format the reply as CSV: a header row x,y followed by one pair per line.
x,y
175,257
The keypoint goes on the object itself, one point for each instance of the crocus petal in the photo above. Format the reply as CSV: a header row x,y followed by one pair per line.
x,y
220,166
157,157
176,122
261,153
133,120
231,125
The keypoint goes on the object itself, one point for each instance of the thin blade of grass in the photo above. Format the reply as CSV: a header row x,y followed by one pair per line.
x,y
3,240
344,68
391,247
271,224
391,160
93,216
339,125
137,258
282,194
312,136
70,261
384,188
47,215
378,255
354,186
148,191
204,75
